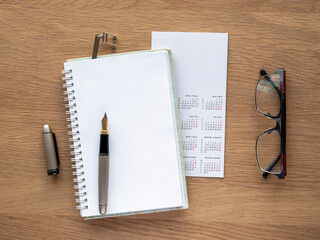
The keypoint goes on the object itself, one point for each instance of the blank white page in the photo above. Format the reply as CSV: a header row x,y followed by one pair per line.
x,y
136,92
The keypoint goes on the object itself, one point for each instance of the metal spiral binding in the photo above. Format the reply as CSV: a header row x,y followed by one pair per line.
x,y
72,119
75,147
70,105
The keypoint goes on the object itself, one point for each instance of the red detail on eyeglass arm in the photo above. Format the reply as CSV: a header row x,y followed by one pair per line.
x,y
284,81
284,163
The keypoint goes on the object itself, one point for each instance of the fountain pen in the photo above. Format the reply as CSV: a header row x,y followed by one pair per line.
x,y
104,166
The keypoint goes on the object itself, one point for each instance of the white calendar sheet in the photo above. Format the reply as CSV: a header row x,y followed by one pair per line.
x,y
200,67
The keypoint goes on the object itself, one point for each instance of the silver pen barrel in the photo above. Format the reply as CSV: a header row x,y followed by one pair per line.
x,y
103,183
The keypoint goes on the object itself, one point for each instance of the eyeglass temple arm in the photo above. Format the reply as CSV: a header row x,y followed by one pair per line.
x,y
284,123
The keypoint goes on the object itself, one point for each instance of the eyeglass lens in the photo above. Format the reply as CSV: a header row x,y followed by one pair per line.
x,y
268,152
267,96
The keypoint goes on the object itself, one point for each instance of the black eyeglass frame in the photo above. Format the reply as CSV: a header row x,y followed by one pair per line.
x,y
279,128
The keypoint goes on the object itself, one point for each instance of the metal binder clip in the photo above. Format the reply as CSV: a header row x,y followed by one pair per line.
x,y
104,37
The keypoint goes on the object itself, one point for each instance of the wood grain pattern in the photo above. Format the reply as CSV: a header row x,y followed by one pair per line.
x,y
38,36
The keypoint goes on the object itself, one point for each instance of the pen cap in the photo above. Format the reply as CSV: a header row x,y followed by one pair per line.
x,y
51,149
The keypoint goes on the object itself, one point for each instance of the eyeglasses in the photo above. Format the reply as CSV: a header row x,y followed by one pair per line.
x,y
270,98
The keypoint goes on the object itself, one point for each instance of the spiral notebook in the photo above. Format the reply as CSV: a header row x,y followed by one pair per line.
x,y
137,91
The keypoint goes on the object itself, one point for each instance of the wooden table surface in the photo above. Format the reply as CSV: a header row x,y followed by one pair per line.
x,y
36,37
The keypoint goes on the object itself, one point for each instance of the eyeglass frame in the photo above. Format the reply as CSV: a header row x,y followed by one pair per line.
x,y
280,117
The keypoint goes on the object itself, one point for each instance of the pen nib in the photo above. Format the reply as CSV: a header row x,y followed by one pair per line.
x,y
104,123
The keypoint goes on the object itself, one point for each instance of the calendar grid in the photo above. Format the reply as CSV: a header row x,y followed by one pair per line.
x,y
202,127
